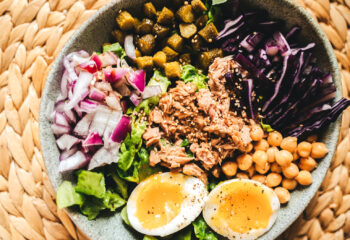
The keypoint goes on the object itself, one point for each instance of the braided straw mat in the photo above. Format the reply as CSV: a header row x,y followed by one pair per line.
x,y
32,32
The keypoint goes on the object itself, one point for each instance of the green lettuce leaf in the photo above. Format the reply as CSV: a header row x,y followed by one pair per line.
x,y
217,2
146,104
92,207
124,216
116,48
190,74
122,186
159,79
91,183
67,196
202,231
144,169
112,201
185,143
126,156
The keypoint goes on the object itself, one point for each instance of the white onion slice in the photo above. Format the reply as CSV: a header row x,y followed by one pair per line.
x,y
151,91
76,161
66,141
130,47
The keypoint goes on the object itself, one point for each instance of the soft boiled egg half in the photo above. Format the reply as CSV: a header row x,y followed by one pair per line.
x,y
241,209
165,203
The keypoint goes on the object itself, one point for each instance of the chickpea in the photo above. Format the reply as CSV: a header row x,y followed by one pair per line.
x,y
282,194
259,178
295,156
283,158
242,175
274,138
289,184
276,168
307,164
273,180
304,178
260,158
312,138
318,150
271,154
290,171
244,161
248,148
262,169
256,133
304,149
261,145
251,171
229,168
290,144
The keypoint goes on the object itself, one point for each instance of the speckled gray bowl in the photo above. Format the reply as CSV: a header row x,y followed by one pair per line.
x,y
96,31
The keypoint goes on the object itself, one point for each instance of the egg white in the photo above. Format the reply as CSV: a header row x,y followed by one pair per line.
x,y
210,209
196,194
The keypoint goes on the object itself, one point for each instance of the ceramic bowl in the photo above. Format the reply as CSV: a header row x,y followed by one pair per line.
x,y
97,30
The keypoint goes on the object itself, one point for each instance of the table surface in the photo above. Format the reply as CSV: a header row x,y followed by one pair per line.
x,y
32,34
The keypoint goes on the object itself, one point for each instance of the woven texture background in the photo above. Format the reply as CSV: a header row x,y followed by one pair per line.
x,y
32,34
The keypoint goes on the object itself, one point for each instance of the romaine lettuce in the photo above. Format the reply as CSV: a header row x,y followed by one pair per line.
x,y
112,201
116,48
91,183
191,74
67,196
202,231
159,79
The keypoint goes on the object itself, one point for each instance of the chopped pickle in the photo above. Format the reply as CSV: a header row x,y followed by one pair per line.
x,y
173,70
125,21
149,10
146,44
198,6
145,62
170,53
185,14
209,32
159,59
187,30
160,31
175,42
166,16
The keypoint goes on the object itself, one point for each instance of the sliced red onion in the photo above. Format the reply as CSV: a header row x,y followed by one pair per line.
x,y
151,91
82,127
137,79
114,75
103,157
100,120
67,153
81,89
93,140
70,116
88,106
66,141
60,119
70,68
96,94
124,64
122,129
78,111
135,98
59,130
76,161
130,47
64,84
113,121
103,86
113,103
59,105
89,66
97,60
108,59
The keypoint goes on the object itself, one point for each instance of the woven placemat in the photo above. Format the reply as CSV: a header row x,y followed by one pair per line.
x,y
32,34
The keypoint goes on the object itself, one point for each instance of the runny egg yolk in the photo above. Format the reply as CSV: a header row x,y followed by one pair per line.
x,y
242,206
160,201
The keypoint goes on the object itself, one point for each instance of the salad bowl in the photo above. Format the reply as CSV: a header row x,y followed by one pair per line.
x,y
97,30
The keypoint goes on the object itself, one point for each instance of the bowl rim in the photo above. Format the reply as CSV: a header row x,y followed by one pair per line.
x,y
304,14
